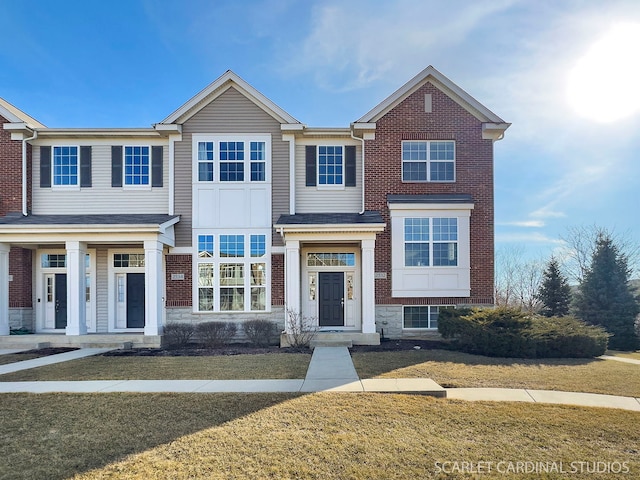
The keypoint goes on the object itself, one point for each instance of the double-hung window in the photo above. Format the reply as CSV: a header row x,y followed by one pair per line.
x,y
136,165
422,316
430,242
330,165
65,166
231,159
428,161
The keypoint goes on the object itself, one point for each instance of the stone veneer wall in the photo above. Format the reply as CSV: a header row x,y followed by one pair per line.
x,y
21,318
185,315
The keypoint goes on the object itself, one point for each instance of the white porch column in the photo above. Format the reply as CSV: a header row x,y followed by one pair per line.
x,y
291,279
76,288
368,287
4,288
154,287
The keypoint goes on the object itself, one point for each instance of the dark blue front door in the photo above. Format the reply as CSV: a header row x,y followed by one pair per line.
x,y
331,294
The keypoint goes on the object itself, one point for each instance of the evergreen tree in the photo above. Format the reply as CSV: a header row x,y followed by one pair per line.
x,y
555,292
605,296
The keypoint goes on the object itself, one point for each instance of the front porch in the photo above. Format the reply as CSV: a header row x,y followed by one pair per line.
x,y
90,340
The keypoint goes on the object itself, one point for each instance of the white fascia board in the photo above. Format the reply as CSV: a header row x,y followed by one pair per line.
x,y
430,206
217,87
331,228
15,115
292,127
165,129
364,125
494,131
97,132
19,130
440,81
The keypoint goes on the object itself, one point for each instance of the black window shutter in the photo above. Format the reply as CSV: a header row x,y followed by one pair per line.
x,y
350,166
45,167
310,165
116,166
85,166
156,166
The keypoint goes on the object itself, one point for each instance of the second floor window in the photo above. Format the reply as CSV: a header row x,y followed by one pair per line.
x,y
231,160
136,165
65,166
330,165
428,161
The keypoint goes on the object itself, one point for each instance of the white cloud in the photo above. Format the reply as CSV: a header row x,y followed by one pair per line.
x,y
526,238
523,223
353,44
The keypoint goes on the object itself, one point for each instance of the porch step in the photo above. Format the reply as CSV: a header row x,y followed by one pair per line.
x,y
331,343
95,340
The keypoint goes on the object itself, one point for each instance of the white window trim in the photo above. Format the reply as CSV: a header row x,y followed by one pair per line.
x,y
430,281
340,186
422,329
74,187
247,260
146,186
239,137
428,161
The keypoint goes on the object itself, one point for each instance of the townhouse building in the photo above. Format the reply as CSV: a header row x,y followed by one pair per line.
x,y
230,209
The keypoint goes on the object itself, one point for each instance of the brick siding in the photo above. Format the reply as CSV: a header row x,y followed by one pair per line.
x,y
474,176
179,291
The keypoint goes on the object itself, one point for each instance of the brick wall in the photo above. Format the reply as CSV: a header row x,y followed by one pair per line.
x,y
20,264
10,172
277,279
474,176
179,291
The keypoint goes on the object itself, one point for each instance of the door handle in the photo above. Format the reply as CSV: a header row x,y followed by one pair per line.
x,y
342,302
57,305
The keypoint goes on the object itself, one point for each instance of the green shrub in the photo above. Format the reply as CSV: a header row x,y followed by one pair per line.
x,y
178,334
508,332
259,332
215,334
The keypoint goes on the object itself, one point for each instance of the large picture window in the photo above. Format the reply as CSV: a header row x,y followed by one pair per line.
x,y
422,316
430,242
428,161
232,272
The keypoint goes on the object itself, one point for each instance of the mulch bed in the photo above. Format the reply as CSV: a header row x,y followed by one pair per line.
x,y
197,350
45,352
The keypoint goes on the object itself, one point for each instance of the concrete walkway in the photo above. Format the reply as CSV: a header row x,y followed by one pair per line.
x,y
620,359
330,370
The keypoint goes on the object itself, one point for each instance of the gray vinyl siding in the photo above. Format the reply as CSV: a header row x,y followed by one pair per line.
x,y
317,200
102,291
101,197
231,112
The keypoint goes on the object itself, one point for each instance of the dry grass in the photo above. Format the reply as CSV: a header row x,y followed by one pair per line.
x,y
455,369
633,355
356,436
262,366
17,357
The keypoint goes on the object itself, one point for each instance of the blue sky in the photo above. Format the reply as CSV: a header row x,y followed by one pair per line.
x,y
131,63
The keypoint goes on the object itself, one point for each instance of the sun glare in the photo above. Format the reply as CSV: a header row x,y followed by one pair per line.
x,y
604,84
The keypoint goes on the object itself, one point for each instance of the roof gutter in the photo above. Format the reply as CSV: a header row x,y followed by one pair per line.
x,y
361,140
24,171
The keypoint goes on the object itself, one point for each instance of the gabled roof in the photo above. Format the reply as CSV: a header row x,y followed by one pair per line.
x,y
441,82
15,115
217,88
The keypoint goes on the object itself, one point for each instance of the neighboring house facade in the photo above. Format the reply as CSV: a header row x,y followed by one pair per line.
x,y
230,209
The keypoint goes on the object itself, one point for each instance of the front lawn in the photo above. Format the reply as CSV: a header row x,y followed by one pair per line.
x,y
456,369
259,366
17,357
356,436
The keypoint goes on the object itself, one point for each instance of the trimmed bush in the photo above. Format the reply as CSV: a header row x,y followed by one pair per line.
x,y
178,334
260,332
508,332
215,334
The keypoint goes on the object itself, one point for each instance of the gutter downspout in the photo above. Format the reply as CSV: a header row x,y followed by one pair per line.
x,y
24,171
361,140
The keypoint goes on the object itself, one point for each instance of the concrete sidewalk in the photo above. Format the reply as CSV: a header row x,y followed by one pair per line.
x,y
330,370
620,359
51,359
